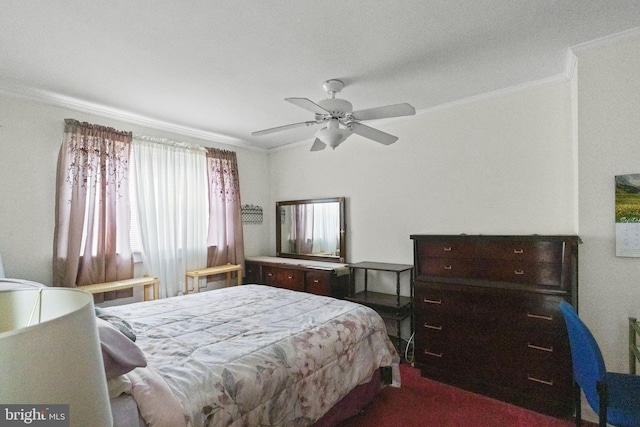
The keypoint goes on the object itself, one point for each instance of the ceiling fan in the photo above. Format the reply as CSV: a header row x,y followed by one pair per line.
x,y
341,121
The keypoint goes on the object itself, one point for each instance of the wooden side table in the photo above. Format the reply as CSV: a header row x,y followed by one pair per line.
x,y
394,307
147,282
210,271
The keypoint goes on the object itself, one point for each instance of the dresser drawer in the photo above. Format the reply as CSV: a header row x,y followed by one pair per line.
x,y
445,248
521,272
450,267
271,275
538,274
538,380
519,250
490,308
539,313
318,282
545,349
427,324
442,299
542,371
283,277
292,279
444,349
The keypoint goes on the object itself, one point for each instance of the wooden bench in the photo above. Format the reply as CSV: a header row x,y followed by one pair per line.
x,y
210,271
147,282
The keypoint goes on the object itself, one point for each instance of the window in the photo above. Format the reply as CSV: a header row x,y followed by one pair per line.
x,y
167,200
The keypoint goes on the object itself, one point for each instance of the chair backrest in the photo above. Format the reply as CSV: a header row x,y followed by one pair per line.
x,y
588,364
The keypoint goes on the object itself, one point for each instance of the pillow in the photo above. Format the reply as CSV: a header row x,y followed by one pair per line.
x,y
119,385
119,354
121,324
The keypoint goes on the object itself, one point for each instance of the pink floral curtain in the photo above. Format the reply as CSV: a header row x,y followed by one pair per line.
x,y
91,238
304,229
225,239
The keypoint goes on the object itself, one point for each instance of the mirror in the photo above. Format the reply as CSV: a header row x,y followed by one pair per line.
x,y
311,229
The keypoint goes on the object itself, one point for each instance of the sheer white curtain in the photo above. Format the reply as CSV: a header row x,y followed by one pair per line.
x,y
326,220
170,189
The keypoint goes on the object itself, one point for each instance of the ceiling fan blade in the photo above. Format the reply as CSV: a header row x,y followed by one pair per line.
x,y
371,133
307,104
285,127
318,145
396,110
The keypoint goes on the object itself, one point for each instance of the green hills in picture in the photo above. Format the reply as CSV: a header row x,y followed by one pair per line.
x,y
628,198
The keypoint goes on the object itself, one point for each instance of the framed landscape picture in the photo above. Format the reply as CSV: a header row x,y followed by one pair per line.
x,y
628,215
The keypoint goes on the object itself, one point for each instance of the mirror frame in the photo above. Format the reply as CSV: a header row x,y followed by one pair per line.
x,y
343,235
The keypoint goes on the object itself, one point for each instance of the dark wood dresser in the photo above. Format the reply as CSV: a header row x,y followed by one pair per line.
x,y
320,278
487,316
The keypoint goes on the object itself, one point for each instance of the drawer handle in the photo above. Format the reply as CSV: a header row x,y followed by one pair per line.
x,y
447,249
539,316
432,301
270,274
428,326
518,251
290,276
429,353
538,380
537,347
447,267
519,272
316,280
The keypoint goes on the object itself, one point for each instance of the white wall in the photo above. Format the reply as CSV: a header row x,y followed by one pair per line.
x,y
30,138
609,138
501,165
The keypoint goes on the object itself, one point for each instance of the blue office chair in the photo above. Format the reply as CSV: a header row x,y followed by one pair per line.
x,y
614,397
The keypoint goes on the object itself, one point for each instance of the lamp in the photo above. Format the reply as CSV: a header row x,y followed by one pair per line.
x,y
333,135
50,355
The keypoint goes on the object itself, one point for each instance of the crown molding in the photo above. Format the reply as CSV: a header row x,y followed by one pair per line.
x,y
524,87
58,100
570,67
622,36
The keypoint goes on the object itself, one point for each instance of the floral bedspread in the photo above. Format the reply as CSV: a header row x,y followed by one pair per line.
x,y
255,355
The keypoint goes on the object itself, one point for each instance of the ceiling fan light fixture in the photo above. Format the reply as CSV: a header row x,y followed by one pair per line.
x,y
333,135
341,120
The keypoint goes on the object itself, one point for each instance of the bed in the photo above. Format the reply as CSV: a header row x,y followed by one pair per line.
x,y
244,356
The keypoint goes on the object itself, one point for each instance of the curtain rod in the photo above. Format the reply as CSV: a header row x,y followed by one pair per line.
x,y
169,142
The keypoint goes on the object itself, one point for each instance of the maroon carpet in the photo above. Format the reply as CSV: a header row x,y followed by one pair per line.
x,y
422,402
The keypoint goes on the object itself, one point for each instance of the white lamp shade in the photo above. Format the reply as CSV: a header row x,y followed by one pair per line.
x,y
333,135
57,358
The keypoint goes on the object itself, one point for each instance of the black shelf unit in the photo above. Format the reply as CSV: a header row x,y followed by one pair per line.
x,y
392,307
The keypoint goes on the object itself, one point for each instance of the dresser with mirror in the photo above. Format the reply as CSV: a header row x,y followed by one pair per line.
x,y
310,249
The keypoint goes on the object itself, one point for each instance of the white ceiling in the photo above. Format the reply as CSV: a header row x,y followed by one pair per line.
x,y
222,68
